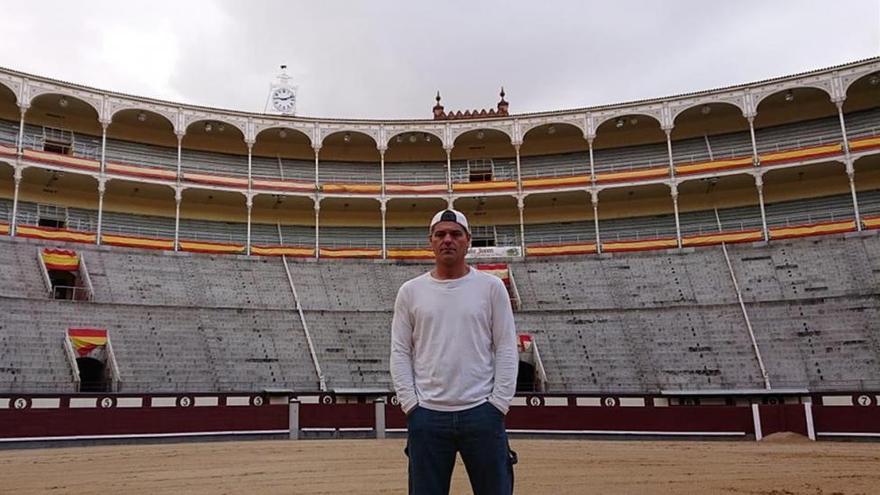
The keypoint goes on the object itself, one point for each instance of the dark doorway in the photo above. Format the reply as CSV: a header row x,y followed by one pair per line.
x,y
91,375
63,284
525,380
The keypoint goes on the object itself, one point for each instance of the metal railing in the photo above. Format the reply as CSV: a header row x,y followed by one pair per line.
x,y
71,293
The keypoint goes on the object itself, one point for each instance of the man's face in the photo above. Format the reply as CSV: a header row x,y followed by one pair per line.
x,y
450,242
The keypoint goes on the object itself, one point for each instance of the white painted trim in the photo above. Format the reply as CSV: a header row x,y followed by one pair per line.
x,y
309,399
632,402
144,435
338,429
808,413
163,402
4,403
588,402
518,401
207,401
847,434
130,402
555,401
837,400
83,402
45,403
756,420
238,401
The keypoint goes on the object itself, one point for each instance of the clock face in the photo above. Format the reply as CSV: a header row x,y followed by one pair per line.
x,y
283,99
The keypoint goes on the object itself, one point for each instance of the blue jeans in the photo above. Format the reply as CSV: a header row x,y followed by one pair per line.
x,y
478,434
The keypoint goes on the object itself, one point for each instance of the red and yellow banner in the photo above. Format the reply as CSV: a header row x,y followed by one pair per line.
x,y
524,342
864,144
714,166
561,249
351,253
415,188
217,180
725,237
574,180
4,228
813,229
51,234
86,340
7,150
352,188
500,270
637,174
211,247
411,254
298,251
137,242
810,153
60,259
620,246
142,171
284,185
495,185
871,222
68,161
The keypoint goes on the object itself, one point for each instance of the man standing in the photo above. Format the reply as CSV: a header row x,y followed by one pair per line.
x,y
454,363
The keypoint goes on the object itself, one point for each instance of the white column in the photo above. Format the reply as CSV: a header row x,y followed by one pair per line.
x,y
382,171
250,148
756,421
518,169
383,208
759,184
317,228
755,160
104,126
179,156
317,176
20,147
520,205
449,171
673,189
178,196
594,198
13,222
102,188
850,168
668,132
249,202
592,164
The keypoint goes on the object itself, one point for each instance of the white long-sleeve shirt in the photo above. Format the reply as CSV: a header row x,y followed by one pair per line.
x,y
453,343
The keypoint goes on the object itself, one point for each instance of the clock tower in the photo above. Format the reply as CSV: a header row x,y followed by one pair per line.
x,y
282,95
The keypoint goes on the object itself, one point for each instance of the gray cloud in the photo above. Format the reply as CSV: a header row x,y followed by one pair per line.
x,y
386,59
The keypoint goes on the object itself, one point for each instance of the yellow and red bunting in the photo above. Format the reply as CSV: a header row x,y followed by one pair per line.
x,y
495,185
7,150
713,166
65,160
137,242
813,152
571,181
524,342
621,246
141,171
216,180
351,253
52,234
725,237
86,340
500,270
60,259
284,185
813,229
416,188
410,254
637,174
864,144
561,249
297,251
4,228
211,247
871,222
352,188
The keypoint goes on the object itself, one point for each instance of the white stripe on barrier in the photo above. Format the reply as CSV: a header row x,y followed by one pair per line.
x,y
808,413
337,429
207,401
756,420
130,402
518,401
588,401
309,399
42,403
661,402
163,402
146,435
238,401
555,401
4,403
847,434
83,402
632,402
837,400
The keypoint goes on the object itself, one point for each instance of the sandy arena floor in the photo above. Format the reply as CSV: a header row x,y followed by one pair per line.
x,y
779,466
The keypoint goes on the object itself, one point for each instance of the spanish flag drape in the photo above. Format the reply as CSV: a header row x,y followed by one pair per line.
x,y
60,259
524,342
86,340
500,270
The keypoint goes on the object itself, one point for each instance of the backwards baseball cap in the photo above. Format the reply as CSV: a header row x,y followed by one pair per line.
x,y
450,216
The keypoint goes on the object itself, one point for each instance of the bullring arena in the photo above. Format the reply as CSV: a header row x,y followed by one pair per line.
x,y
696,275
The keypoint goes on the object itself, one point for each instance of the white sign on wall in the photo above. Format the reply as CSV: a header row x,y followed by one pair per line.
x,y
494,252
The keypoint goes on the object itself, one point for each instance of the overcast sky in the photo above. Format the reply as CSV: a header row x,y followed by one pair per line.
x,y
387,59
